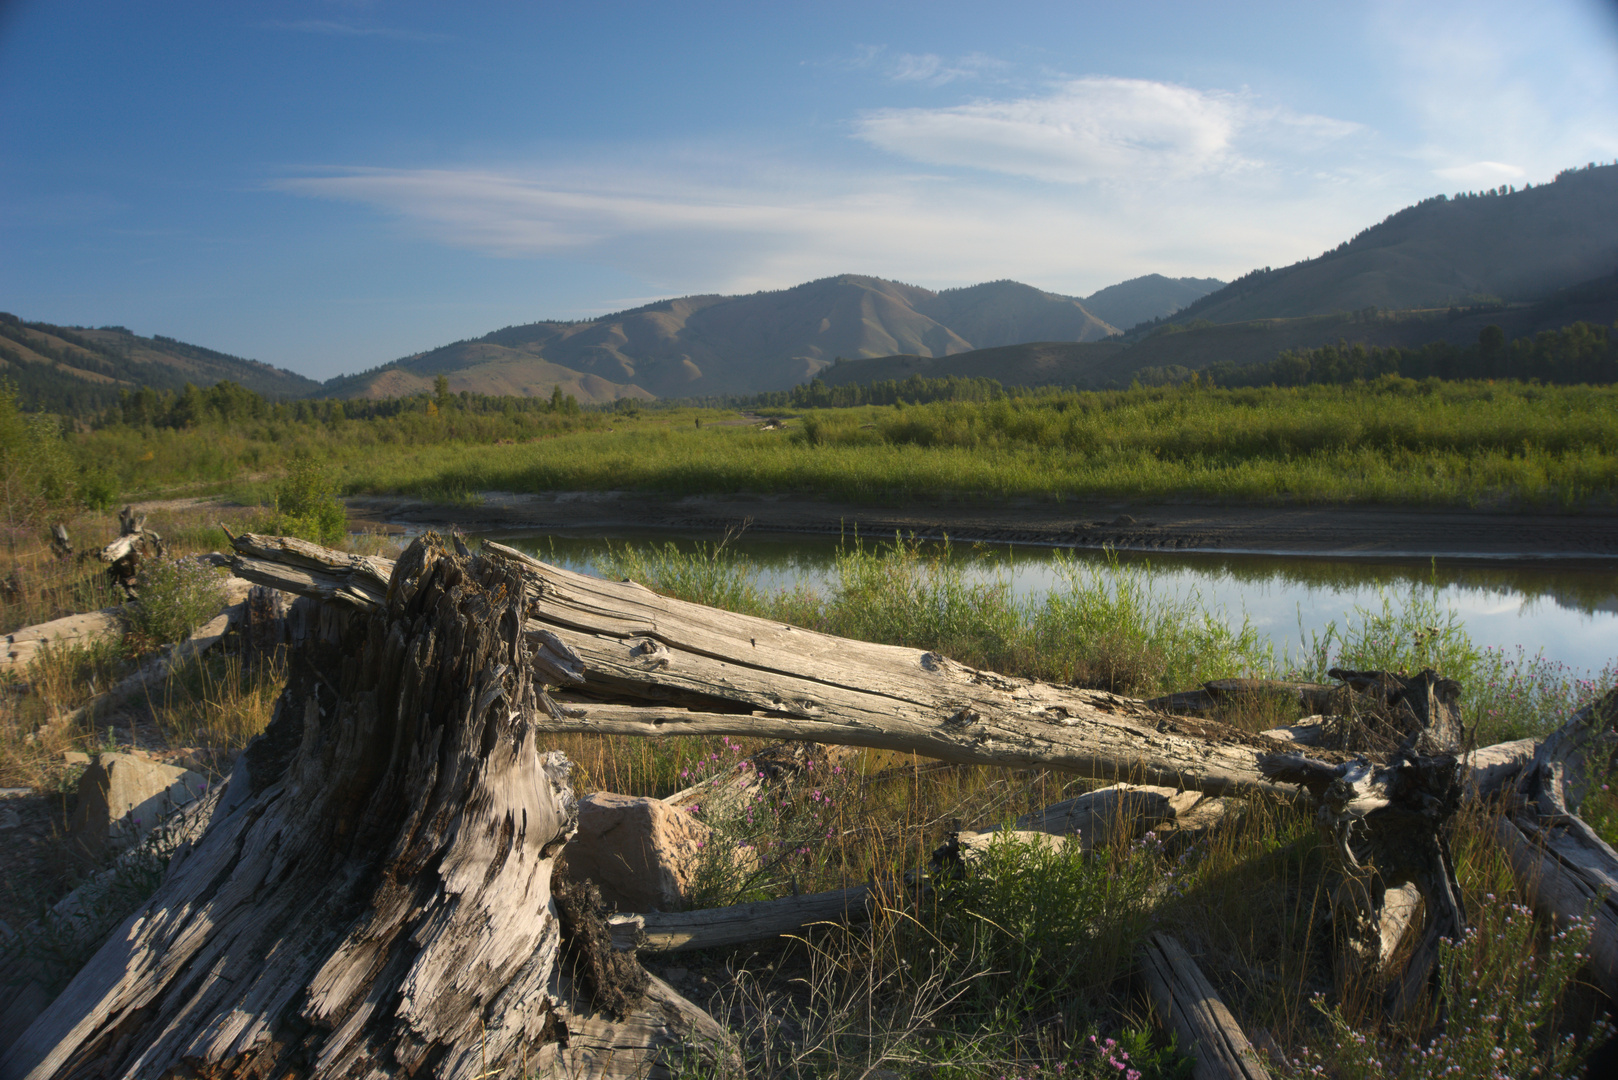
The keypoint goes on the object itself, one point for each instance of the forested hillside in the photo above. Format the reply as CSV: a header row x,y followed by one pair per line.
x,y
79,370
1502,244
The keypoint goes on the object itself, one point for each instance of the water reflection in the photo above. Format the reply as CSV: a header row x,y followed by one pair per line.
x,y
1568,611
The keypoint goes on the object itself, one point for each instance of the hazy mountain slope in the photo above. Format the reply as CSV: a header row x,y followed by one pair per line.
x,y
73,369
766,341
1142,299
1443,251
1009,313
1102,364
491,369
1040,363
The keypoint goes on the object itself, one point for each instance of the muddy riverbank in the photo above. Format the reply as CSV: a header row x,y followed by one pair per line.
x,y
1321,531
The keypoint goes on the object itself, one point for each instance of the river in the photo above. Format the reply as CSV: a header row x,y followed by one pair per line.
x,y
1566,610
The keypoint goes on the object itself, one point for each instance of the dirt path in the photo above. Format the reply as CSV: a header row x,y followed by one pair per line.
x,y
1319,531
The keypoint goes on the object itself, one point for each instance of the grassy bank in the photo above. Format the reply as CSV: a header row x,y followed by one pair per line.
x,y
1389,441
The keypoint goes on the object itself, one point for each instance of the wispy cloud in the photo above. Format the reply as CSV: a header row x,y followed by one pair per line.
x,y
934,70
331,28
928,69
697,228
1093,128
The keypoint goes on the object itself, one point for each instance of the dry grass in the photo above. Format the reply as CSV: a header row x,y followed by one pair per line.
x,y
62,678
220,702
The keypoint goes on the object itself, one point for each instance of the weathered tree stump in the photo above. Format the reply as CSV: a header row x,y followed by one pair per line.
x,y
1385,822
372,897
61,543
135,544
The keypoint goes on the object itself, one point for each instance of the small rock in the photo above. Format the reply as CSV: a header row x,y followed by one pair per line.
x,y
642,854
1120,812
75,757
9,818
124,797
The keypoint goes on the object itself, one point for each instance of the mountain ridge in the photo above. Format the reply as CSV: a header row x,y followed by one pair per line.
x,y
1505,244
80,369
714,344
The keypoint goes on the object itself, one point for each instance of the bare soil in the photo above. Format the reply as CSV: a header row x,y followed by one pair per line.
x,y
1321,531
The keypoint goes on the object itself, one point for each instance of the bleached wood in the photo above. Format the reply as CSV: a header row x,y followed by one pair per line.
x,y
1567,870
1191,1006
1568,873
372,896
680,931
21,647
1399,910
667,667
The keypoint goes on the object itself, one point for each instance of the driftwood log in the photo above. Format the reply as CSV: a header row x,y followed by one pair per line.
x,y
1569,871
679,931
1194,1012
372,895
625,660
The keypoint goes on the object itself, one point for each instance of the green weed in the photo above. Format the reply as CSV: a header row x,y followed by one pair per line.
x,y
1392,441
306,504
174,597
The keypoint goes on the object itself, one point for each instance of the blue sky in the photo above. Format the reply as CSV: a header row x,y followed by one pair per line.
x,y
327,186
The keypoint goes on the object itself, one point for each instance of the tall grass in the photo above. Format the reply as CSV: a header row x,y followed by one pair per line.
x,y
1114,627
1504,695
1390,441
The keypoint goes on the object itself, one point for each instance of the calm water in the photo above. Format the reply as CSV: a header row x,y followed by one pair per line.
x,y
1567,611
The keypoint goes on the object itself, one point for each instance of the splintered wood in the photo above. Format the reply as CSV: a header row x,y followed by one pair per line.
x,y
372,896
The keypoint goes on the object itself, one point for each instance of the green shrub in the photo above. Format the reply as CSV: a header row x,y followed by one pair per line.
x,y
37,475
175,596
1041,931
306,504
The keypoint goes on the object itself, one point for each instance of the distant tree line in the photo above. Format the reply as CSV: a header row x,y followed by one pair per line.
x,y
915,390
1580,353
229,403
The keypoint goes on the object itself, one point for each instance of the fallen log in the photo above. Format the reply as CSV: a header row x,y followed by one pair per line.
x,y
1567,870
21,647
1192,1008
679,931
372,895
628,661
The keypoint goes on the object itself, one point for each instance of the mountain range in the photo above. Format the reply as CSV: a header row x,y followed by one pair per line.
x,y
1438,270
1441,252
710,345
